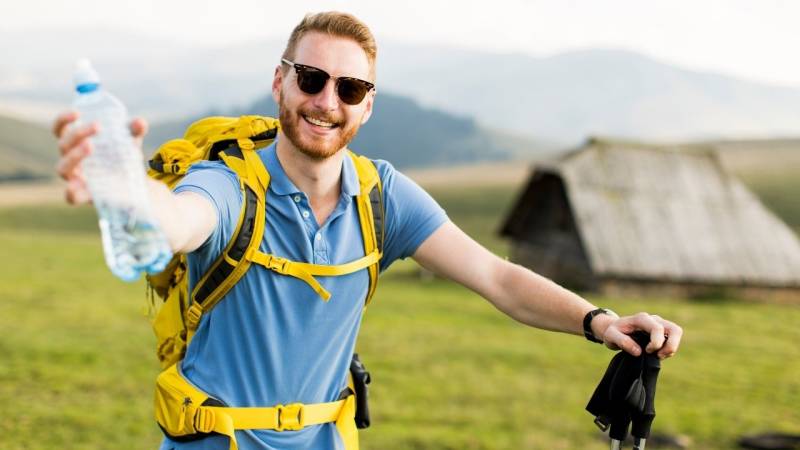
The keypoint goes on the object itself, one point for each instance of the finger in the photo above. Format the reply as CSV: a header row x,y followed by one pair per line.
x,y
139,127
70,162
674,334
62,120
73,137
652,326
614,337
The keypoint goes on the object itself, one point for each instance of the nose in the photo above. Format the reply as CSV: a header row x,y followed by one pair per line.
x,y
327,99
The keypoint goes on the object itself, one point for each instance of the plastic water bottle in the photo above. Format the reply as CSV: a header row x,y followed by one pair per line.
x,y
133,243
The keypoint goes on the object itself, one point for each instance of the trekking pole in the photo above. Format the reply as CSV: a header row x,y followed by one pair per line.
x,y
626,395
644,414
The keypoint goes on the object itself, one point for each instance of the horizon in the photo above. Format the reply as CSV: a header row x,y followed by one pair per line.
x,y
744,39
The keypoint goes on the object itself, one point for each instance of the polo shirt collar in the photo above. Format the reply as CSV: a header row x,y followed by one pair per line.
x,y
280,184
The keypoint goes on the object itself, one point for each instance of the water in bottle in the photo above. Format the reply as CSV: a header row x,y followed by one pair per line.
x,y
133,243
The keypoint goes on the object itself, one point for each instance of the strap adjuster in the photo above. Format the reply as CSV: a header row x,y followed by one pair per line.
x,y
602,423
290,417
277,263
193,315
204,420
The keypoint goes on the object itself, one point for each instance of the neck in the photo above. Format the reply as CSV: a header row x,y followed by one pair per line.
x,y
319,178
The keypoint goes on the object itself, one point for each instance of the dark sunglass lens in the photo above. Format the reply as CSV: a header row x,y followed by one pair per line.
x,y
351,91
311,81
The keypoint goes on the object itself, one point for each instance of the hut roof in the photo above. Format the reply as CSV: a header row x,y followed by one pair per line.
x,y
672,213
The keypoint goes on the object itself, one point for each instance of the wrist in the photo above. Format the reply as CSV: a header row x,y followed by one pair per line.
x,y
600,324
596,322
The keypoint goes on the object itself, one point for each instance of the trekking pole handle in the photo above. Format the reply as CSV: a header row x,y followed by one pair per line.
x,y
642,339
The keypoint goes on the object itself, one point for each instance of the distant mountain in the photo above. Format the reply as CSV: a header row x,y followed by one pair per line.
x,y
399,131
561,98
571,95
27,151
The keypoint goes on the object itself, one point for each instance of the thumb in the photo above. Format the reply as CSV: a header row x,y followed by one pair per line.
x,y
616,338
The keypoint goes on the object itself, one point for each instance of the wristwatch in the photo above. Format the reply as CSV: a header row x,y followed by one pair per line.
x,y
587,323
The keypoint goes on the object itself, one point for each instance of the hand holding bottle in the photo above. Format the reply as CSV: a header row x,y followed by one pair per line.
x,y
74,144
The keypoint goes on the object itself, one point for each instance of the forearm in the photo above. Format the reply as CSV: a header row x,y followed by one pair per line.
x,y
537,301
520,293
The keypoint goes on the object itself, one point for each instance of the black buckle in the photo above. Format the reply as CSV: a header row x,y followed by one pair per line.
x,y
601,423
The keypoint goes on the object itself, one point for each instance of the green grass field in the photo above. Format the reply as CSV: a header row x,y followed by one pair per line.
x,y
449,371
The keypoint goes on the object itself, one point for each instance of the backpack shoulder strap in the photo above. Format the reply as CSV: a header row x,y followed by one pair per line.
x,y
371,214
234,260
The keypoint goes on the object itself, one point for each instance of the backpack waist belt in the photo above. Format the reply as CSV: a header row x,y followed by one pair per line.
x,y
186,413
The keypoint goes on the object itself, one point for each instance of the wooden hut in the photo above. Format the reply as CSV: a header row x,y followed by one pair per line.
x,y
615,215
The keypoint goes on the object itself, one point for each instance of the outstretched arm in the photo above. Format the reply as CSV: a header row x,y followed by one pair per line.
x,y
532,299
187,219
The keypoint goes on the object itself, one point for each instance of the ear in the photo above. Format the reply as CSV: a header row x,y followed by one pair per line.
x,y
368,112
277,81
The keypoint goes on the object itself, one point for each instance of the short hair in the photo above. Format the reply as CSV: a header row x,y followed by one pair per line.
x,y
338,24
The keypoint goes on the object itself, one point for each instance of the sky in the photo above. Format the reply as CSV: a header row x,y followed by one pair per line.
x,y
751,39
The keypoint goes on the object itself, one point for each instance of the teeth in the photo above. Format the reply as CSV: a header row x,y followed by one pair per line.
x,y
319,122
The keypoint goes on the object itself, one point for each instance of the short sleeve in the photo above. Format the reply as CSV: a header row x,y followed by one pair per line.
x,y
412,215
219,184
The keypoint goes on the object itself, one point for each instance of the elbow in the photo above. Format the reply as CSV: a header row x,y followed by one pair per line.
x,y
499,288
180,238
176,245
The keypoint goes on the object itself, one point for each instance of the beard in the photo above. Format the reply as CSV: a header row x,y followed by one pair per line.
x,y
318,149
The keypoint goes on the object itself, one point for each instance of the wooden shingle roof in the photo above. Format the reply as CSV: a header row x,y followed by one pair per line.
x,y
660,212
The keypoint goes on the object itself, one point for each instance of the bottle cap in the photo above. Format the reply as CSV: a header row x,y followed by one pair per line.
x,y
85,77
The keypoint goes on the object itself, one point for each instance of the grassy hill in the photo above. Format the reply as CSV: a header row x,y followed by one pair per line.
x,y
27,151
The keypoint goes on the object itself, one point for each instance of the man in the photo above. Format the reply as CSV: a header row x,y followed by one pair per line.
x,y
272,340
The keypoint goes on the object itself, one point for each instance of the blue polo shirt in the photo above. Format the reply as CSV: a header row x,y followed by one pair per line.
x,y
272,339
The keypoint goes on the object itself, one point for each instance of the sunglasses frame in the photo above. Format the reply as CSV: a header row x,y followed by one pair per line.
x,y
298,68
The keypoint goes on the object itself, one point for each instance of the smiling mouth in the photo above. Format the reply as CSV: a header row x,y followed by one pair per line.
x,y
319,123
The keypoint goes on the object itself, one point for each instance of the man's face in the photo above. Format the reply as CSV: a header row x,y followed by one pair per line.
x,y
321,124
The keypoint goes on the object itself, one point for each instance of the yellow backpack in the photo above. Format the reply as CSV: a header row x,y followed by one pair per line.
x,y
182,411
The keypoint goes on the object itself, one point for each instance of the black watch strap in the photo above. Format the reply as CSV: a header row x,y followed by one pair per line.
x,y
587,323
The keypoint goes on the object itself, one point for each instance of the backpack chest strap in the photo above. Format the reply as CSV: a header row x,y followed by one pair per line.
x,y
307,271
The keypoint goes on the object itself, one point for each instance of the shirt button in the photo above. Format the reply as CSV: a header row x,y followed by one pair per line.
x,y
297,199
318,236
306,214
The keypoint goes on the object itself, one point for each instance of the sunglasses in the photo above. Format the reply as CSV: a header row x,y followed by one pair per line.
x,y
312,80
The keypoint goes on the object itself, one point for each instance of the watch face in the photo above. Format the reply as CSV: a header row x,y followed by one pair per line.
x,y
610,312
